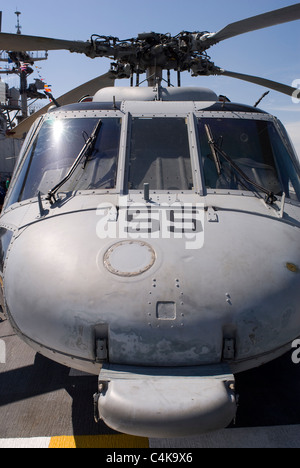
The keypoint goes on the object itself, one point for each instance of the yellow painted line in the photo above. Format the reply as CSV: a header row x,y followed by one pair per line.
x,y
99,441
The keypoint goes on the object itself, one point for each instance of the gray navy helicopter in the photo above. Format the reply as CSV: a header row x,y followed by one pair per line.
x,y
151,234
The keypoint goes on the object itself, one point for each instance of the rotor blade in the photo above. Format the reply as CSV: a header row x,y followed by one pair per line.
x,y
89,88
272,18
21,43
281,88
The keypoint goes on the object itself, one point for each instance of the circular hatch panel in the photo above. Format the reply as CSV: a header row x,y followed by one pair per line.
x,y
129,258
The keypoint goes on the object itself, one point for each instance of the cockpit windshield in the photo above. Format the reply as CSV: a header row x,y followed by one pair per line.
x,y
55,149
256,147
160,154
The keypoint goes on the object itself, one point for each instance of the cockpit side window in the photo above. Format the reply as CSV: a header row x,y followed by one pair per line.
x,y
54,150
290,178
247,143
159,154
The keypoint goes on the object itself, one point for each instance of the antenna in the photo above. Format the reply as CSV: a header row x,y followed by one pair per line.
x,y
18,27
0,21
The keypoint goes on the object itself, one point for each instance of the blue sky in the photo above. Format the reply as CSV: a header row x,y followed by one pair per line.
x,y
273,53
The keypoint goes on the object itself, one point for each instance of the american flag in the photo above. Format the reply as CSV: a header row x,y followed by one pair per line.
x,y
23,66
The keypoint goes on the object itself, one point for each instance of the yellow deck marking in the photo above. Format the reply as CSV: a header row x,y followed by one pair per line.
x,y
99,441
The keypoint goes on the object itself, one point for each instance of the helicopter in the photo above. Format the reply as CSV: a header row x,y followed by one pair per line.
x,y
150,235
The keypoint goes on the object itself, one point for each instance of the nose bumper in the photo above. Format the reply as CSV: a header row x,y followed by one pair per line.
x,y
152,402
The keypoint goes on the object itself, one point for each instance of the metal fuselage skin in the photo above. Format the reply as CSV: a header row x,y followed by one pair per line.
x,y
178,278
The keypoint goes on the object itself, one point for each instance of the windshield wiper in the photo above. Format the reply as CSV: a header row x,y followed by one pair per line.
x,y
270,196
86,151
213,149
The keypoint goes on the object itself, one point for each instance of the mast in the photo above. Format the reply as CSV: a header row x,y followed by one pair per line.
x,y
23,77
23,62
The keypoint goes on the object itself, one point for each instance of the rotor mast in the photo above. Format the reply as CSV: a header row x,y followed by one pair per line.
x,y
154,75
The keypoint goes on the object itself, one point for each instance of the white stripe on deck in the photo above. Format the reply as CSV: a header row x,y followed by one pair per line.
x,y
32,442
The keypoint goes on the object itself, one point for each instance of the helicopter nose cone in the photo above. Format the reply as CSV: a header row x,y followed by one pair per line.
x,y
153,301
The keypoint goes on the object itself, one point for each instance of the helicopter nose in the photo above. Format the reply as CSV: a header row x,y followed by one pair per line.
x,y
154,302
77,294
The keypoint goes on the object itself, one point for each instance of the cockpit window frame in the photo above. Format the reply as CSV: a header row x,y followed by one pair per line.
x,y
22,158
191,115
287,143
246,116
192,144
64,114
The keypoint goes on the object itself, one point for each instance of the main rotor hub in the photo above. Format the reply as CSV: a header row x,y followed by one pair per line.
x,y
152,53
